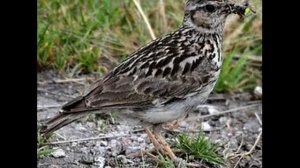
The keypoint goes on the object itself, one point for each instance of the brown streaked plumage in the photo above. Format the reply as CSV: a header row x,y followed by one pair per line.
x,y
165,79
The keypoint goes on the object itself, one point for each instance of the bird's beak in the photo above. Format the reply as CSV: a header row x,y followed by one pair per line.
x,y
241,10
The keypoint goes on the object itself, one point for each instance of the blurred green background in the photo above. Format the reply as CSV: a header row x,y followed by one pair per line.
x,y
90,36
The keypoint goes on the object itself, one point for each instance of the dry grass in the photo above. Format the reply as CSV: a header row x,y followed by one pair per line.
x,y
75,35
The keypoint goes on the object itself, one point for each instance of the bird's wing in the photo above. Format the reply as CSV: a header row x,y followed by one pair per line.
x,y
157,73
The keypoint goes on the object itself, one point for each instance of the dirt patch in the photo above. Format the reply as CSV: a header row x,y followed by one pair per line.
x,y
236,130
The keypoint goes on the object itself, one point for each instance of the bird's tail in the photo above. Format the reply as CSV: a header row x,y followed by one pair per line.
x,y
60,121
70,112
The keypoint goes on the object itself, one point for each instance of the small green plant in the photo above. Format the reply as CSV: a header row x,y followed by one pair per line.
x,y
43,150
199,147
166,162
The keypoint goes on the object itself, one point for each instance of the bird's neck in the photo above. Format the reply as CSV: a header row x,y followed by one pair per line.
x,y
204,29
203,33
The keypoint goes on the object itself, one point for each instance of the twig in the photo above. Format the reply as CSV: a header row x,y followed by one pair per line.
x,y
255,144
193,165
160,162
138,5
154,157
149,153
216,98
143,160
141,153
48,92
137,130
48,106
67,80
163,13
242,141
258,118
250,151
84,139
250,58
60,135
254,102
224,112
72,80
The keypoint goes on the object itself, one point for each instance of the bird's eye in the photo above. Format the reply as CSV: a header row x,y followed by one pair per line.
x,y
210,8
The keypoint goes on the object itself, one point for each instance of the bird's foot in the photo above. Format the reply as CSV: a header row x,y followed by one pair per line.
x,y
172,125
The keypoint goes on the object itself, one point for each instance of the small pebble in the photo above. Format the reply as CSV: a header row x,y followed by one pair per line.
x,y
258,91
116,147
80,127
86,159
58,153
85,150
124,160
103,143
140,139
223,120
100,161
206,126
207,109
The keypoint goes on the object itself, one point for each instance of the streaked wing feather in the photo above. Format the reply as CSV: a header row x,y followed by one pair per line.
x,y
158,72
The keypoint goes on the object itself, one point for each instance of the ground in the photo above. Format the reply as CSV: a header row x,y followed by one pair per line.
x,y
102,141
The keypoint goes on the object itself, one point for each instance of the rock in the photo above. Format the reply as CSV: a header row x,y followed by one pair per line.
x,y
207,109
251,126
223,120
145,136
258,91
80,127
115,146
91,125
99,150
206,126
84,150
86,159
132,149
140,139
58,153
101,143
99,161
183,124
124,160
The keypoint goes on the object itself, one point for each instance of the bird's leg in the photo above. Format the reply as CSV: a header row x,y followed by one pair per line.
x,y
162,145
153,139
166,147
172,125
175,124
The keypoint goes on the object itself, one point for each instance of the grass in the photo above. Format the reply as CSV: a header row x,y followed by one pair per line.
x,y
41,139
237,75
73,35
166,162
199,147
44,151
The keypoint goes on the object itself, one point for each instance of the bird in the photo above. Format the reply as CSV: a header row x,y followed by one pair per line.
x,y
165,79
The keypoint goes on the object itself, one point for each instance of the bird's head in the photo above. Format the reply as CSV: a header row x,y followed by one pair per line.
x,y
210,15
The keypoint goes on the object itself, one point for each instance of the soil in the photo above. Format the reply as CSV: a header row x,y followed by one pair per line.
x,y
235,131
